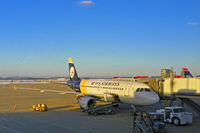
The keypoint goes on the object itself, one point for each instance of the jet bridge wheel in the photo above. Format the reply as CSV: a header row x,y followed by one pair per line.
x,y
176,121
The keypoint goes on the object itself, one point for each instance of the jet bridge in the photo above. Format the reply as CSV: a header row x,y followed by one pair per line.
x,y
185,87
170,87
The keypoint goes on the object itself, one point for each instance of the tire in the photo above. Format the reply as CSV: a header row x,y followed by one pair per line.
x,y
116,106
95,113
176,121
113,112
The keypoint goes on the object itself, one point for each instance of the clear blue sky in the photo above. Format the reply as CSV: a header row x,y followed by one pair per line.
x,y
104,37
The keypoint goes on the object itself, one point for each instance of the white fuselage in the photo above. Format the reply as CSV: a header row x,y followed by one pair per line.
x,y
127,91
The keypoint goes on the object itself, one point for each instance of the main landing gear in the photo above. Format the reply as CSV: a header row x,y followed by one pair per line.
x,y
103,109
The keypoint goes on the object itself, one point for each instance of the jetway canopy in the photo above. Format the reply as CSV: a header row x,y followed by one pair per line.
x,y
182,86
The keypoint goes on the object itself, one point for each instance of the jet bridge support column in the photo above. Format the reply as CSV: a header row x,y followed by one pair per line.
x,y
134,116
141,122
172,84
172,96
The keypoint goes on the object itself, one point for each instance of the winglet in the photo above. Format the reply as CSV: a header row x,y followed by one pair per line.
x,y
70,60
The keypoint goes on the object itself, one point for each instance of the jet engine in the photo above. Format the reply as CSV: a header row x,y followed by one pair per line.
x,y
87,102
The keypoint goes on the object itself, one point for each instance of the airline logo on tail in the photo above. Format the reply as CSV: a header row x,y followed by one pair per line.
x,y
186,73
71,72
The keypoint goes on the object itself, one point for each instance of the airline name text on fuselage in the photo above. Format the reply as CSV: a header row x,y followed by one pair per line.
x,y
105,83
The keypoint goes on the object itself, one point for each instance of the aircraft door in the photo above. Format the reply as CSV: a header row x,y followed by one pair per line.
x,y
127,89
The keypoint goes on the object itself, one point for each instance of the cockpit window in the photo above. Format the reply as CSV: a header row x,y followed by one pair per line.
x,y
143,90
147,90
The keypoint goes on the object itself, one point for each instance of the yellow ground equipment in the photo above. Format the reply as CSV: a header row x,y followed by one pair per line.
x,y
40,107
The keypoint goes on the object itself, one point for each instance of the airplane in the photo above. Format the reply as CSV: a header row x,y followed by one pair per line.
x,y
91,90
186,73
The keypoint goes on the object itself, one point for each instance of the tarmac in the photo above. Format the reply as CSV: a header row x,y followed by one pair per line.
x,y
64,114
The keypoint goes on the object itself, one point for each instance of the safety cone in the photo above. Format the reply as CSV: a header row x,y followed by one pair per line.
x,y
15,107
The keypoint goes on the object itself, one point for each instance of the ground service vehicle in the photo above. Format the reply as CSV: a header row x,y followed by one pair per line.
x,y
40,107
157,121
176,115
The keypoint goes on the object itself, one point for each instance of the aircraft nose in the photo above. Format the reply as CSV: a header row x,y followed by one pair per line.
x,y
155,98
149,98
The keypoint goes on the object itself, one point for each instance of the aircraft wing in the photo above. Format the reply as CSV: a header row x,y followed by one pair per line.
x,y
64,83
45,90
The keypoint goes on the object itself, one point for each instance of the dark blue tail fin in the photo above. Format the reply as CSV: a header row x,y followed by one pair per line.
x,y
186,73
72,71
74,81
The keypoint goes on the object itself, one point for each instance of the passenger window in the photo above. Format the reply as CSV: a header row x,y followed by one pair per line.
x,y
138,89
141,89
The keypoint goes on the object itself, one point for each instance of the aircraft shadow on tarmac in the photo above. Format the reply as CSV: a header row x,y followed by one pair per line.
x,y
59,108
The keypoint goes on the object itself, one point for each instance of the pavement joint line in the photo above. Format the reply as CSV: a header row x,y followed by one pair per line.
x,y
15,121
68,128
10,129
43,130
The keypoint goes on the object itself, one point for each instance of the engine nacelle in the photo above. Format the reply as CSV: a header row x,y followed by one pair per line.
x,y
87,102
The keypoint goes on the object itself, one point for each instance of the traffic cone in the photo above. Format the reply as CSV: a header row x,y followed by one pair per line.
x,y
15,107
